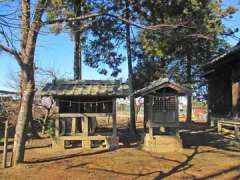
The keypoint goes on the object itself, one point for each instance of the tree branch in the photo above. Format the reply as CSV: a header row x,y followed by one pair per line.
x,y
35,27
87,16
199,36
152,28
12,52
70,19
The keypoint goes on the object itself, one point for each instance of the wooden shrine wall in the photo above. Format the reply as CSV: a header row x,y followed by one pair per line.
x,y
161,109
236,90
220,93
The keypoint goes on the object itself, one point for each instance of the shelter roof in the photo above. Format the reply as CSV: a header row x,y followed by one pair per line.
x,y
86,88
164,86
233,54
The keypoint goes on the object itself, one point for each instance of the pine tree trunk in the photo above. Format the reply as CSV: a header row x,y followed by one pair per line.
x,y
77,56
130,73
77,40
189,81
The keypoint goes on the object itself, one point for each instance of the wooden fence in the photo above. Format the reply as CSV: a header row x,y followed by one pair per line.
x,y
5,146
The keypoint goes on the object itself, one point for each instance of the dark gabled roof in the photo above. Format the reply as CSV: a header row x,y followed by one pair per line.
x,y
233,54
86,88
163,84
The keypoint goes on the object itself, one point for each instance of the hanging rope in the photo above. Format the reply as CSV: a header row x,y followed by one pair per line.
x,y
88,106
85,102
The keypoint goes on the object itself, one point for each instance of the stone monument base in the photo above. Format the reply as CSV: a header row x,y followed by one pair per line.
x,y
162,143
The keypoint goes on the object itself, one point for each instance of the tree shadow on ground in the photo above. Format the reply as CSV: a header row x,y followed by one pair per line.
x,y
182,166
214,175
64,157
78,166
39,146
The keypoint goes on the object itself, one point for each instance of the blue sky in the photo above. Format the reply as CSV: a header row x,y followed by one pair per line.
x,y
56,52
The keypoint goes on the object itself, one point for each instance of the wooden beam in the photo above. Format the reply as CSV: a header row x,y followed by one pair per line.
x,y
72,115
165,124
75,138
229,122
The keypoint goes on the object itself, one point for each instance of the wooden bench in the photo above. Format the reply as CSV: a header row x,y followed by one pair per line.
x,y
234,124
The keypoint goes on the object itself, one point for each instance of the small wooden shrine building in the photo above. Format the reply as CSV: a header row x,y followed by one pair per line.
x,y
161,115
223,78
79,105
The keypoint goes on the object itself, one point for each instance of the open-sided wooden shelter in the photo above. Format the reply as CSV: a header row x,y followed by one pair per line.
x,y
79,105
161,114
223,78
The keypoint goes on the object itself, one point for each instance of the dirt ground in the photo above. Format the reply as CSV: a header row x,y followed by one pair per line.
x,y
206,155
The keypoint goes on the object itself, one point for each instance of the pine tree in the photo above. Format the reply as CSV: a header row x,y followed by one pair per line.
x,y
195,41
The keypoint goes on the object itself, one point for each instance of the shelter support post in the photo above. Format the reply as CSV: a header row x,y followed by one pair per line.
x,y
236,129
219,127
145,114
57,126
57,121
86,143
74,123
151,131
85,126
114,118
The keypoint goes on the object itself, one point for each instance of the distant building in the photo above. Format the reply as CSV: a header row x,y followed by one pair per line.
x,y
8,95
